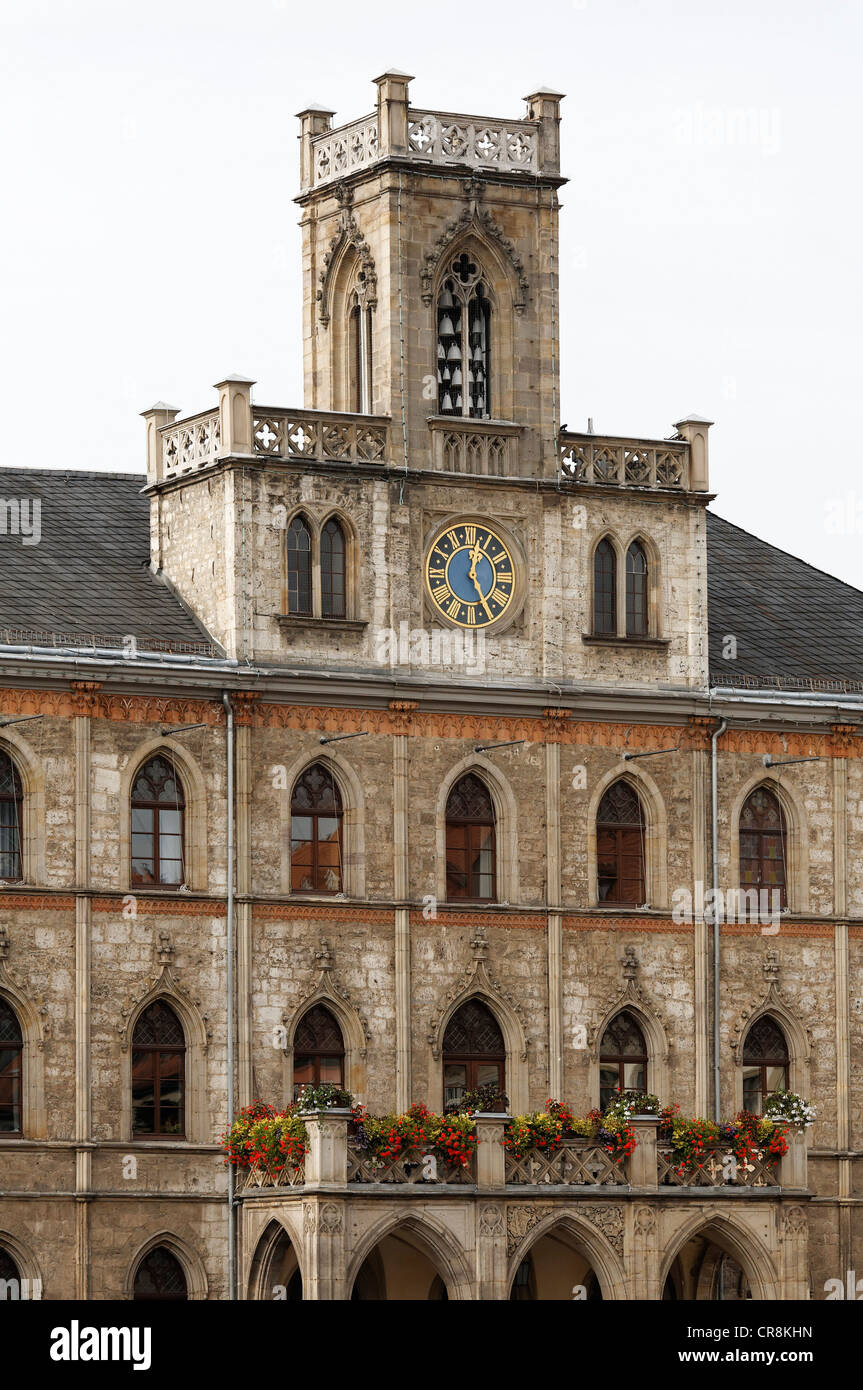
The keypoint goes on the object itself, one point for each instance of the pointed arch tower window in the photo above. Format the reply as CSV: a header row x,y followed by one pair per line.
x,y
360,351
299,567
620,846
11,803
763,842
474,1054
316,833
11,1070
637,616
464,341
470,841
765,1063
158,1073
319,1050
604,589
158,825
333,570
159,1278
622,1059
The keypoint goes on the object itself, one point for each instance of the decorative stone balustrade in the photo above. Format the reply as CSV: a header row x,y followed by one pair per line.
x,y
617,462
179,448
487,448
529,145
578,1164
335,1161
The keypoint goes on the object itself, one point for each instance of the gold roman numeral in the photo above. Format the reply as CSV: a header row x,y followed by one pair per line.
x,y
441,593
452,611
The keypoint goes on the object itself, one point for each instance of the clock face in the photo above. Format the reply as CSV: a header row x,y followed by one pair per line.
x,y
470,574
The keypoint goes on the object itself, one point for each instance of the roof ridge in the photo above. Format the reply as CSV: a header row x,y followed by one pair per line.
x,y
787,553
75,473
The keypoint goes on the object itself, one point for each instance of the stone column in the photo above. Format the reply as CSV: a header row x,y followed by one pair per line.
x,y
242,840
402,922
642,1163
83,1148
490,1153
491,1258
158,415
555,920
842,733
694,430
324,1216
327,1158
793,1166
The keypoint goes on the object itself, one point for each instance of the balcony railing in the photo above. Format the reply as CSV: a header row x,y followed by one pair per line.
x,y
574,1164
315,434
718,1168
335,1160
618,462
487,448
407,1169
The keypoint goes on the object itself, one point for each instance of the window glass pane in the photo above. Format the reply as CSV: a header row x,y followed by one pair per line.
x,y
633,1076
775,1079
454,1082
331,1069
169,822
487,1074
752,1090
142,819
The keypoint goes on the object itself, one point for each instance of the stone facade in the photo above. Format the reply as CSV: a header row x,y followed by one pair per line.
x,y
83,952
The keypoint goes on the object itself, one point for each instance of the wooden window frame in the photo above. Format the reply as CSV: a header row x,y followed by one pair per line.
x,y
299,575
137,880
620,829
473,828
760,860
604,580
637,592
14,1073
337,814
157,1050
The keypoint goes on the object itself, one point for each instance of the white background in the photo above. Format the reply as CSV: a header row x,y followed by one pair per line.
x,y
710,233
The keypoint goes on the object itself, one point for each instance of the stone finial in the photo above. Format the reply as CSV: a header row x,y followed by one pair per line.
x,y
771,966
393,111
694,430
543,106
314,120
479,944
324,958
165,950
235,414
4,941
156,417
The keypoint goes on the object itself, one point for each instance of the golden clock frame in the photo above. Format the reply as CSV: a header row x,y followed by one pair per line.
x,y
504,530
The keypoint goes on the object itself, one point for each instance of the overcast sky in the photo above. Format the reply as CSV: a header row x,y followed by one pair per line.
x,y
710,234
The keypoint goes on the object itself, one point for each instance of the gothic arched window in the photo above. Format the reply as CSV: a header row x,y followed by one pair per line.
x,y
762,844
464,341
316,833
158,1073
319,1050
637,617
620,846
158,825
622,1059
11,1070
299,567
604,589
470,841
160,1278
765,1063
473,1053
8,1270
11,804
333,573
360,354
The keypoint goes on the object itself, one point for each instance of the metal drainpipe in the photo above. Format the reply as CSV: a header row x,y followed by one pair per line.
x,y
714,836
229,755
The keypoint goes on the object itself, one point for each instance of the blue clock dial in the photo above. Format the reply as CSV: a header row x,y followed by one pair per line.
x,y
470,574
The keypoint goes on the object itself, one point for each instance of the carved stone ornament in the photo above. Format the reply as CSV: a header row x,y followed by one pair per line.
x,y
608,1219
645,1220
348,234
474,218
771,1000
331,1219
520,1221
631,993
163,983
33,1004
491,1220
476,980
326,987
793,1222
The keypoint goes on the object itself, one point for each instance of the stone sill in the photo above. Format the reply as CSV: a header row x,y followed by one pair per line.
x,y
650,643
472,424
287,621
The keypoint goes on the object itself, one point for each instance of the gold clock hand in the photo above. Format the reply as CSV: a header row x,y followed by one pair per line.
x,y
475,554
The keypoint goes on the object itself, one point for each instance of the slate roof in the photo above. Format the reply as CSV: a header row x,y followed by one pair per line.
x,y
89,574
791,621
